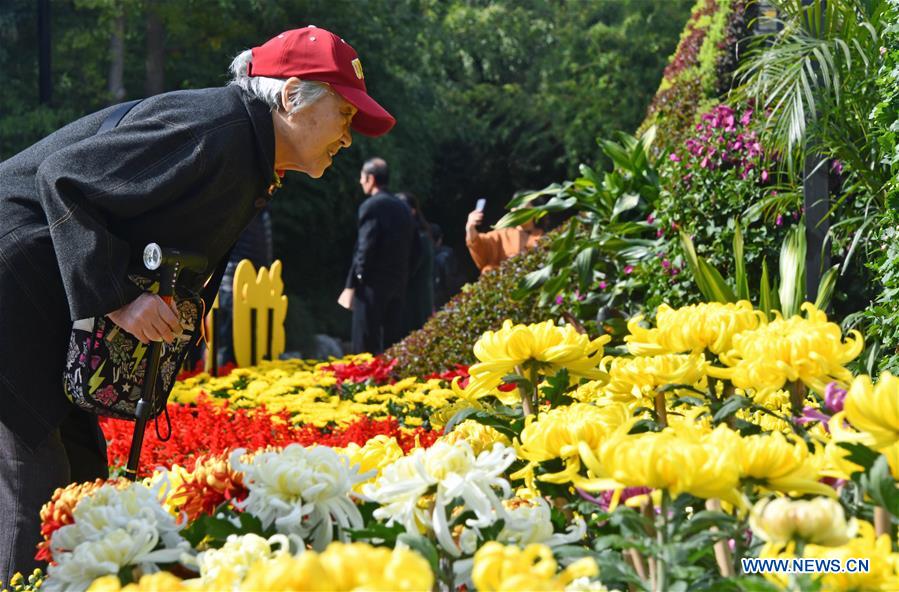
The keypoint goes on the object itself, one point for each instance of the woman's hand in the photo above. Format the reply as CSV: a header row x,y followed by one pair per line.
x,y
148,318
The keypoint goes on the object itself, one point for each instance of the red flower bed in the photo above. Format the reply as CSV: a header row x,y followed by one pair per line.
x,y
208,428
378,371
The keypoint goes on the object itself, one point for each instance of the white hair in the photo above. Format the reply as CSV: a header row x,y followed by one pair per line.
x,y
269,89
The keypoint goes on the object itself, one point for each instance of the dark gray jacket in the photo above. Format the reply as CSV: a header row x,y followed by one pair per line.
x,y
185,169
384,244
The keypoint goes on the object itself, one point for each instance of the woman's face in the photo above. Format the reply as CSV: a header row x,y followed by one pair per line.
x,y
308,139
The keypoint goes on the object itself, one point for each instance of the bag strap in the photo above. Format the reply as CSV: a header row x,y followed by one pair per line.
x,y
116,115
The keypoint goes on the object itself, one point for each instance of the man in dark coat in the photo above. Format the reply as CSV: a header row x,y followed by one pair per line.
x,y
187,170
376,284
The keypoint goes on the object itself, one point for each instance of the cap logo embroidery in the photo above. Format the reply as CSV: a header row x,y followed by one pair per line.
x,y
357,66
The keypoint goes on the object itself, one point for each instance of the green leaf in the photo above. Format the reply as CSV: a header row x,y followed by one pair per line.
x,y
693,263
740,264
731,406
792,271
520,216
458,418
618,155
881,486
721,291
860,454
377,530
584,263
765,304
625,203
536,278
826,286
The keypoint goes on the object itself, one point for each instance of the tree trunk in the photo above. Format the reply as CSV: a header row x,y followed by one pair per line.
x,y
116,86
155,81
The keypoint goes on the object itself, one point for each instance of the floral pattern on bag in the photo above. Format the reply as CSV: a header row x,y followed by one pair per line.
x,y
105,365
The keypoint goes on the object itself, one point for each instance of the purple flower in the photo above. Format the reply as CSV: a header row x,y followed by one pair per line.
x,y
779,221
602,285
836,166
660,233
559,299
810,414
746,117
650,219
673,157
705,162
628,269
764,175
604,499
666,264
834,397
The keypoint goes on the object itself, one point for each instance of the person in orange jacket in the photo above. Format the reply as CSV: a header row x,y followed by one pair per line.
x,y
489,249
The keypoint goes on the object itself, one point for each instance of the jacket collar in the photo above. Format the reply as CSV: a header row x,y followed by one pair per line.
x,y
264,130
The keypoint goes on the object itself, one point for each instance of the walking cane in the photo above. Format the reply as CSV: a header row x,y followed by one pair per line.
x,y
170,263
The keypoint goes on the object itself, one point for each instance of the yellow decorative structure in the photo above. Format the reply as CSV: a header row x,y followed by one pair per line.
x,y
259,312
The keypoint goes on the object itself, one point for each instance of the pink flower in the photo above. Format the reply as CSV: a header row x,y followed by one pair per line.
x,y
559,299
764,175
602,285
834,396
779,221
673,157
666,264
628,269
836,166
650,219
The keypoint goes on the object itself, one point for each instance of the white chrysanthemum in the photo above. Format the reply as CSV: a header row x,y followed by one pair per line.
x,y
302,491
225,568
531,522
526,522
449,472
113,528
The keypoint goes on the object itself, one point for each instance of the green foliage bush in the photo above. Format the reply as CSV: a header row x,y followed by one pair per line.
x,y
881,319
699,72
448,337
709,182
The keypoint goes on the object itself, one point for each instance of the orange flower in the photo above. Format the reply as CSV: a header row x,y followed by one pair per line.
x,y
211,483
58,511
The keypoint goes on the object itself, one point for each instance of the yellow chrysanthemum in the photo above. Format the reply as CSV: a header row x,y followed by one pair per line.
x,y
872,410
633,379
481,437
162,581
821,521
557,433
376,454
780,464
533,569
883,573
809,349
551,348
680,461
692,329
356,566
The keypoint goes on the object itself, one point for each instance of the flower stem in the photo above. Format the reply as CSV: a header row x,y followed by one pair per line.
x,y
883,523
722,551
661,412
797,397
661,582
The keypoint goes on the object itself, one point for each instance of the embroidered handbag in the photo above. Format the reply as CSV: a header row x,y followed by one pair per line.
x,y
105,365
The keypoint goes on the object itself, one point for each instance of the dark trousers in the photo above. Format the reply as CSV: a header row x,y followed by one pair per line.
x,y
377,317
73,453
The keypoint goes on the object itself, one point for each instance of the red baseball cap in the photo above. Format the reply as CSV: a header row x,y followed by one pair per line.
x,y
311,53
